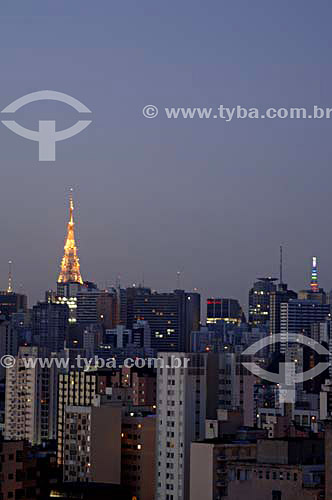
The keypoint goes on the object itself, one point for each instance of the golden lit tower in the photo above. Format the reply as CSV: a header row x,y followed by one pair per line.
x,y
70,265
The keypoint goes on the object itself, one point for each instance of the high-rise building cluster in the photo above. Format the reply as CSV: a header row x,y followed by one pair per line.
x,y
185,419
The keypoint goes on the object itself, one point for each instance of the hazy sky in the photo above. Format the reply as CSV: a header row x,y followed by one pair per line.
x,y
210,198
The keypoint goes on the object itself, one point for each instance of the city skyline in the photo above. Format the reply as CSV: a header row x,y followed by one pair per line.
x,y
179,277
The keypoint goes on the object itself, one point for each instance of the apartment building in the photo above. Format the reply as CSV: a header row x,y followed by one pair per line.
x,y
75,388
30,401
186,397
138,453
92,444
107,444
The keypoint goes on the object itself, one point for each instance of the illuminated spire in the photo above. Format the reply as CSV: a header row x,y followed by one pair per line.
x,y
10,278
314,276
71,206
70,265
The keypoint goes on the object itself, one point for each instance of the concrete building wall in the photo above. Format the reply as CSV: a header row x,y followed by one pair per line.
x,y
249,413
269,483
273,451
209,473
144,389
106,444
201,472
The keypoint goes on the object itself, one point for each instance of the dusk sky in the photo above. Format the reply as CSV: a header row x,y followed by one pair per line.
x,y
154,196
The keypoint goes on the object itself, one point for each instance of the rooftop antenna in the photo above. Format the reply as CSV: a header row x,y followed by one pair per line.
x,y
178,280
10,278
280,275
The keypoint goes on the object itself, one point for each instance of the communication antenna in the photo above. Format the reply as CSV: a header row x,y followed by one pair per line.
x,y
314,275
178,280
10,278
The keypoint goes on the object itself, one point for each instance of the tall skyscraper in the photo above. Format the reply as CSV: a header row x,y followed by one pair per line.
x,y
8,343
50,325
70,266
171,316
128,302
107,308
11,303
297,316
259,301
277,297
186,398
87,310
228,310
